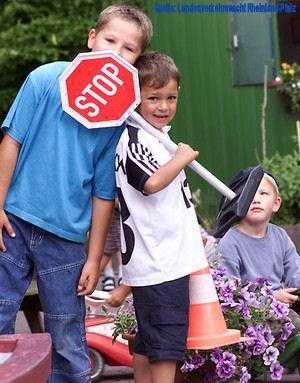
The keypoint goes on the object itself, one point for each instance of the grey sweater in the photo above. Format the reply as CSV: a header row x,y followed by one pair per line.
x,y
273,257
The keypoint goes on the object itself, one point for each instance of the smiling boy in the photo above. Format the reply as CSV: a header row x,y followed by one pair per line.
x,y
161,241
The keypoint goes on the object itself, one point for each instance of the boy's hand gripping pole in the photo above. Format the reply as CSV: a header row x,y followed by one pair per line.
x,y
172,147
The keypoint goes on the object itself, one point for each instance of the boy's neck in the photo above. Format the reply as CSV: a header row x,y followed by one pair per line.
x,y
255,230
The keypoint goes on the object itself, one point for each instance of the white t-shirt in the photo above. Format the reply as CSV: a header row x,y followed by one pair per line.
x,y
160,236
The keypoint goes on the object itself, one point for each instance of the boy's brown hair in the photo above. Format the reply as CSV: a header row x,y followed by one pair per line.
x,y
156,69
129,13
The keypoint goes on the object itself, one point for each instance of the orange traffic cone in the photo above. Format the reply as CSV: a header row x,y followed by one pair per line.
x,y
207,327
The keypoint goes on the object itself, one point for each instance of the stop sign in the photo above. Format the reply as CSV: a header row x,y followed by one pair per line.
x,y
99,89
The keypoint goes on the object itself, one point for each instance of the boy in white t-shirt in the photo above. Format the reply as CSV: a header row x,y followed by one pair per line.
x,y
161,240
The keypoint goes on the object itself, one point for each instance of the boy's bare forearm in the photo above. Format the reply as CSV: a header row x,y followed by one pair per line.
x,y
9,151
101,216
163,176
168,172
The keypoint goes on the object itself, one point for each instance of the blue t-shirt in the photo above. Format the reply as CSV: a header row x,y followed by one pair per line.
x,y
273,257
61,164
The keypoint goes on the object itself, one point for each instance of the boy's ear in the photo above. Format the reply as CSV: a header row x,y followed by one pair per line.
x,y
91,38
277,204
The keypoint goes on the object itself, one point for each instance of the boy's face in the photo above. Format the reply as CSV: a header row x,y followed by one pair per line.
x,y
158,105
119,35
265,203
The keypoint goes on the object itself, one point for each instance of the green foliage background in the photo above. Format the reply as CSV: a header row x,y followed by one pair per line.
x,y
34,32
286,170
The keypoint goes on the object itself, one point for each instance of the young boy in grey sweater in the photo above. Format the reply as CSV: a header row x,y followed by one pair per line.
x,y
255,248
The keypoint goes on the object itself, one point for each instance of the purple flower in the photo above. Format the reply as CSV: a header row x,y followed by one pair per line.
x,y
229,305
216,355
270,356
281,345
276,371
218,273
267,333
249,297
287,329
226,291
245,376
262,282
260,345
252,286
279,310
198,360
188,367
258,341
193,363
229,356
267,290
225,363
225,369
251,333
244,310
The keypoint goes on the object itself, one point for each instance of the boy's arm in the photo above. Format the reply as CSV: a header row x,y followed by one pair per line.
x,y
168,172
230,258
101,216
9,150
118,295
291,265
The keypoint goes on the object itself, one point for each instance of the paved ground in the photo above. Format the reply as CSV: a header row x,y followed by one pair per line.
x,y
117,374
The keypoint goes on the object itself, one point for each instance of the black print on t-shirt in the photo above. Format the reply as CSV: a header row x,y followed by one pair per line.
x,y
188,202
128,233
119,164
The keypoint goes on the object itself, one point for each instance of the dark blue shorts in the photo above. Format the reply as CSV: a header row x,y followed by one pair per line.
x,y
162,316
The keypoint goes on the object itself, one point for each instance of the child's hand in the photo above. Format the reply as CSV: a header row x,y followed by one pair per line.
x,y
185,153
286,295
5,224
118,295
88,279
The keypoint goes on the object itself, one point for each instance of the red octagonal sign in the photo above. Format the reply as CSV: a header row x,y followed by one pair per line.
x,y
99,89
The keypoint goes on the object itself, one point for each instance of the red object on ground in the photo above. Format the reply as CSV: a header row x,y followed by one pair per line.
x,y
28,358
115,354
96,320
99,89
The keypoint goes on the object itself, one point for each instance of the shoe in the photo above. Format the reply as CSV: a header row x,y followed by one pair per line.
x,y
108,284
119,281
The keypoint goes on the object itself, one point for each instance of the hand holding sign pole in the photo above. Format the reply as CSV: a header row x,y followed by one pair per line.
x,y
100,89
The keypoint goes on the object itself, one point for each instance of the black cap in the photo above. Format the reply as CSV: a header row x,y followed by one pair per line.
x,y
239,180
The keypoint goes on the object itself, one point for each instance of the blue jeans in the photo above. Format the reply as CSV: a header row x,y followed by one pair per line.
x,y
58,264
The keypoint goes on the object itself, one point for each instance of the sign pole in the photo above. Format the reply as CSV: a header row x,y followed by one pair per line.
x,y
194,165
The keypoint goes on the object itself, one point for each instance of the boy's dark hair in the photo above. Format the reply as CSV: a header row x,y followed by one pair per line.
x,y
131,14
156,69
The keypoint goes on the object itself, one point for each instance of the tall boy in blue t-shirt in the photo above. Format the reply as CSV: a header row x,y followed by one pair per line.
x,y
56,183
